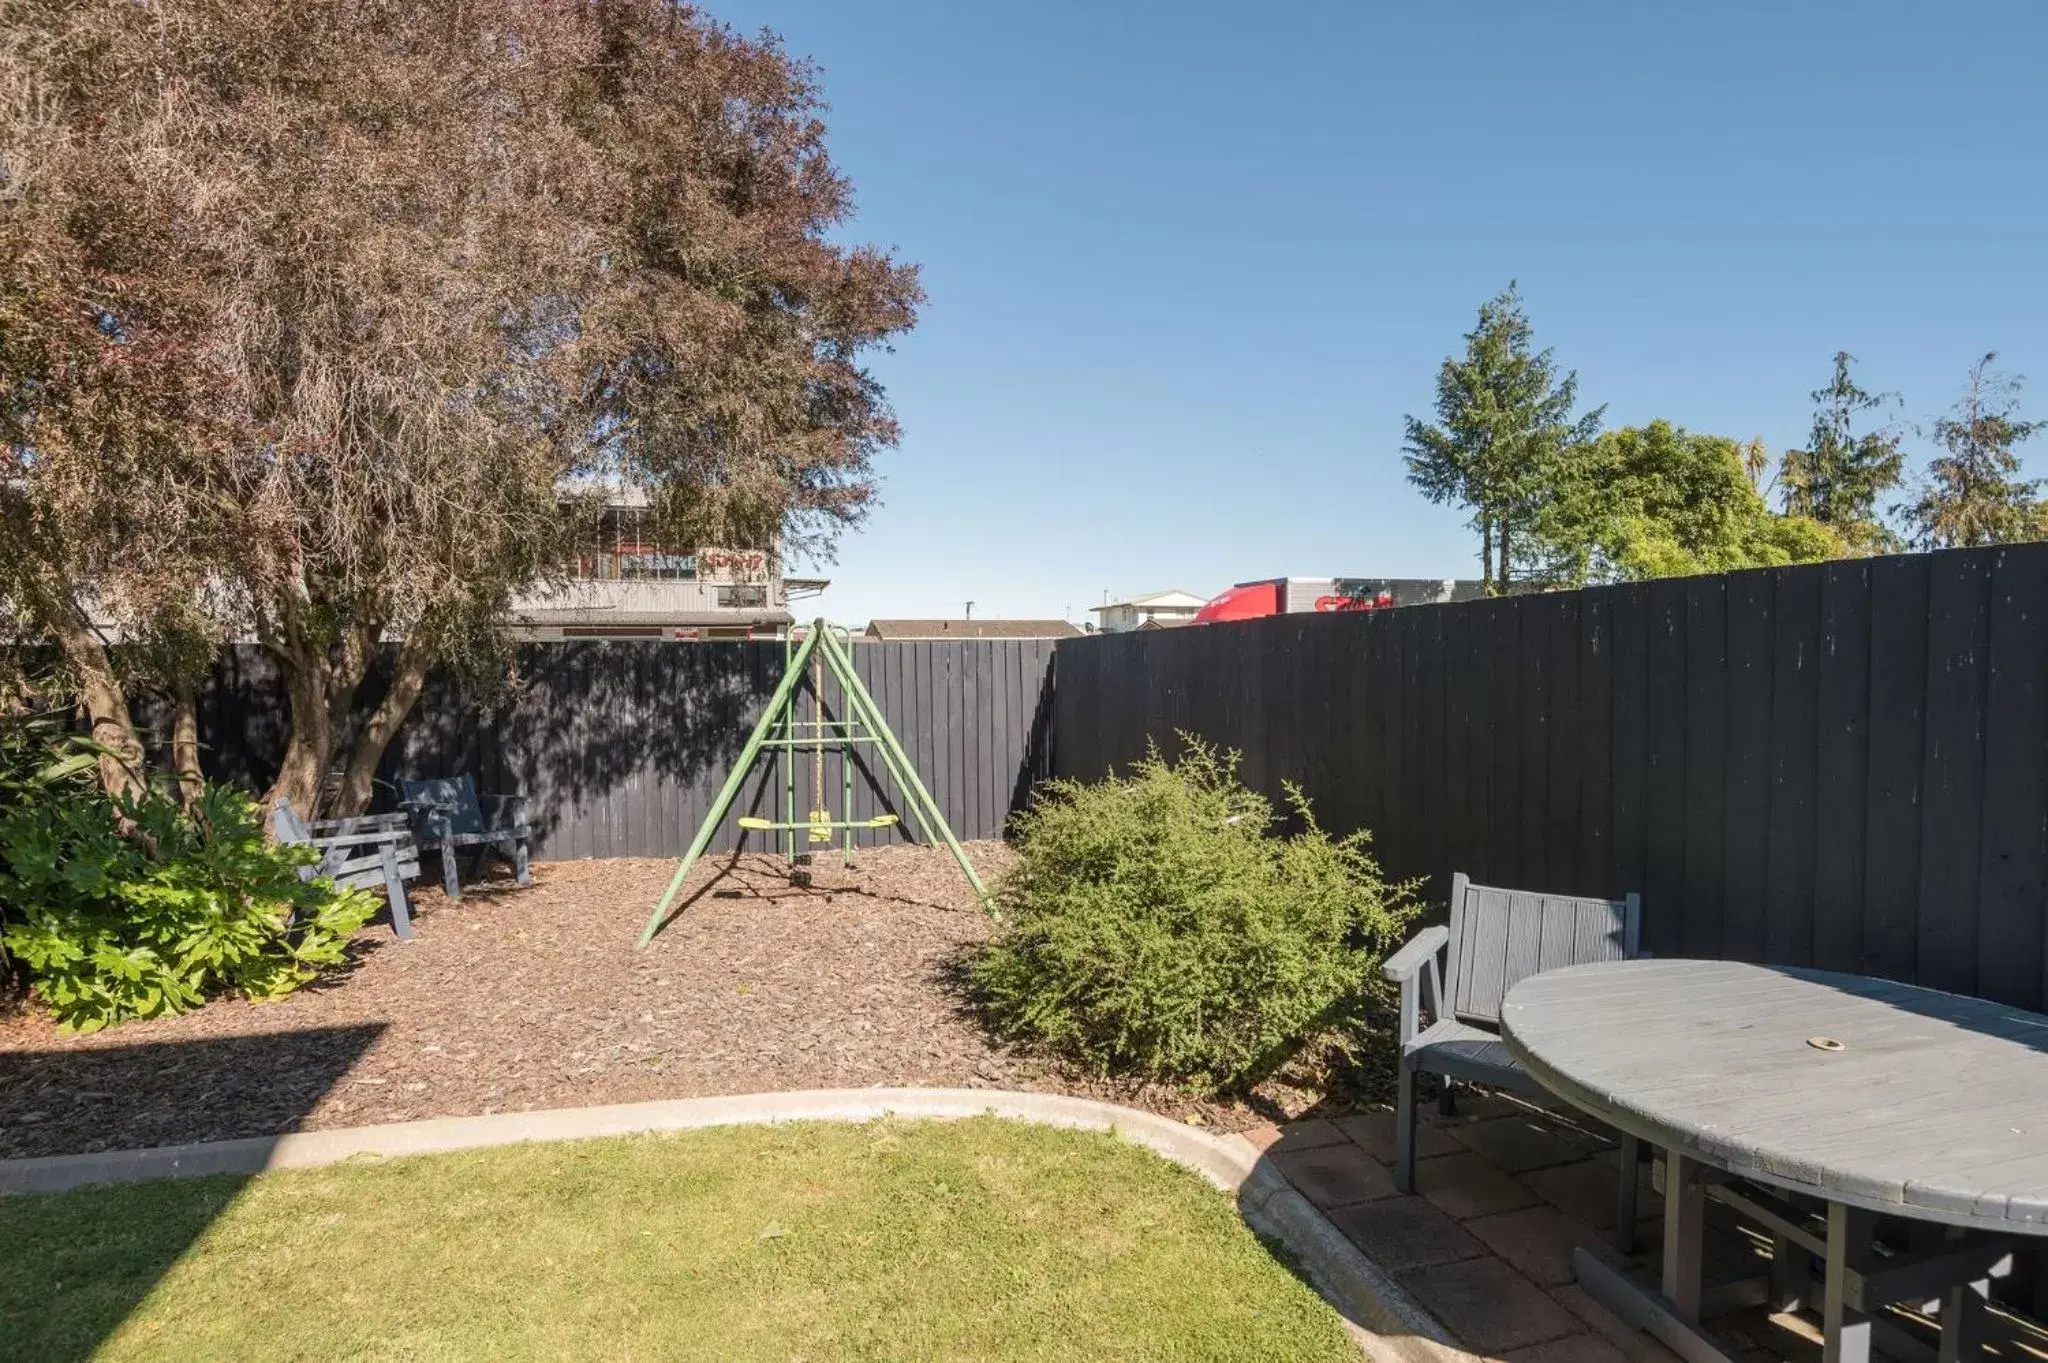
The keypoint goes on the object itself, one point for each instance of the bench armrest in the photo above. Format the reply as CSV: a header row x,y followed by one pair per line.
x,y
1414,966
1420,951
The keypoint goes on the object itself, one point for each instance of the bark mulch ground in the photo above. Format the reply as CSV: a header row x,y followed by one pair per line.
x,y
525,999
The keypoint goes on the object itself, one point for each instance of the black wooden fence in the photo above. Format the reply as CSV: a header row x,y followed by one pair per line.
x,y
1843,765
622,746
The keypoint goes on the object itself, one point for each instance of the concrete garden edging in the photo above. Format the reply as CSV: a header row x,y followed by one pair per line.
x,y
1386,1322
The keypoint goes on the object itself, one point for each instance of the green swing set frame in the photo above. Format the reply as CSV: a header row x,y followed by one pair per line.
x,y
860,723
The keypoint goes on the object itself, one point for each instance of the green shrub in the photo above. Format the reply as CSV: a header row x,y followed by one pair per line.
x,y
114,921
1159,927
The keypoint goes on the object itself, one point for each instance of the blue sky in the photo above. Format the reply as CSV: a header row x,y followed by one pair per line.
x,y
1190,264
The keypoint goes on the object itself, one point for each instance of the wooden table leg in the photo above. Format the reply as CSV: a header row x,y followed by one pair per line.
x,y
1962,1322
1845,1332
1625,1196
1791,1275
1685,1208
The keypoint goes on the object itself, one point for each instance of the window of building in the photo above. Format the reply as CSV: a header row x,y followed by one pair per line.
x,y
625,547
745,596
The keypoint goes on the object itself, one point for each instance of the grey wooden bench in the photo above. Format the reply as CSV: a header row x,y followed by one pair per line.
x,y
361,853
1496,938
447,815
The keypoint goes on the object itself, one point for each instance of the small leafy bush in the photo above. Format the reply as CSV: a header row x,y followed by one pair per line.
x,y
1158,926
141,908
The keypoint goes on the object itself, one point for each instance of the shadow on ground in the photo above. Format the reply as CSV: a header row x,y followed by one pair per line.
x,y
101,1255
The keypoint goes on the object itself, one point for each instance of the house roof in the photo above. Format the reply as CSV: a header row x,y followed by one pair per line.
x,y
971,629
1173,600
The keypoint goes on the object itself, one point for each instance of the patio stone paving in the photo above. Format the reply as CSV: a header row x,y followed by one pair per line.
x,y
1570,1349
1506,1192
1335,1175
1466,1185
1302,1135
1374,1132
1519,1144
1401,1233
1585,1190
1491,1307
1478,1245
1538,1241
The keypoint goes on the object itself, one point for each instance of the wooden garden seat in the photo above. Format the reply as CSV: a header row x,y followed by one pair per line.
x,y
374,850
1495,939
447,815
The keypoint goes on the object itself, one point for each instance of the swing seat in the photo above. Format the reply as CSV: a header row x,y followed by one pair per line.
x,y
764,826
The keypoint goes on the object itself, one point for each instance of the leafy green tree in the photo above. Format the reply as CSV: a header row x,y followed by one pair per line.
x,y
1839,478
1662,501
1973,494
316,314
1504,418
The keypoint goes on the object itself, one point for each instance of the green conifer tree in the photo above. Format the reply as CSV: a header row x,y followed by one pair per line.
x,y
1973,494
1504,419
1839,477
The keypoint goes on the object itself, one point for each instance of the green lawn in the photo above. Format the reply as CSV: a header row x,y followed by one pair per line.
x,y
979,1239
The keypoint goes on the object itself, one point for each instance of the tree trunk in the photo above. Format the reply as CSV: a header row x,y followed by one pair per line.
x,y
312,738
185,744
106,705
1486,554
1501,578
320,684
415,656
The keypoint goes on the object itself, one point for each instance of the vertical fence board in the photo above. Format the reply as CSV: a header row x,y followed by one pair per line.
x,y
1898,690
1952,788
1706,764
1533,692
1594,865
1842,765
1629,692
1434,749
2014,854
1504,842
1455,677
1788,891
1664,926
1747,813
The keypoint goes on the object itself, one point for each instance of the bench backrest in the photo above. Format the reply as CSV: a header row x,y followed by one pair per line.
x,y
1500,937
458,796
286,825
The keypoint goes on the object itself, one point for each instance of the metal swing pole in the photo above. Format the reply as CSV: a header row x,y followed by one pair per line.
x,y
846,752
733,781
927,808
787,758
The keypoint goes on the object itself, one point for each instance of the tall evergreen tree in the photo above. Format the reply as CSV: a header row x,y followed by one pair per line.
x,y
1504,419
1839,477
1973,494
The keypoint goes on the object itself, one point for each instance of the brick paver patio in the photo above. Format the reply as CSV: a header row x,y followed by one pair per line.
x,y
1505,1192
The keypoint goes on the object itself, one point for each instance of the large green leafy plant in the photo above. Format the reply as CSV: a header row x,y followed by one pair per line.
x,y
1160,926
139,907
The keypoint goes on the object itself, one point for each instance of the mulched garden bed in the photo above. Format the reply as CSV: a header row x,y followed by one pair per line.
x,y
525,999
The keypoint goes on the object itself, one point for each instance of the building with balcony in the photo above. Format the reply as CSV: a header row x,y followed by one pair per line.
x,y
626,583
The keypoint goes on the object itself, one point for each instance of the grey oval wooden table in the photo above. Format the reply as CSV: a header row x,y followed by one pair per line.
x,y
1873,1096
